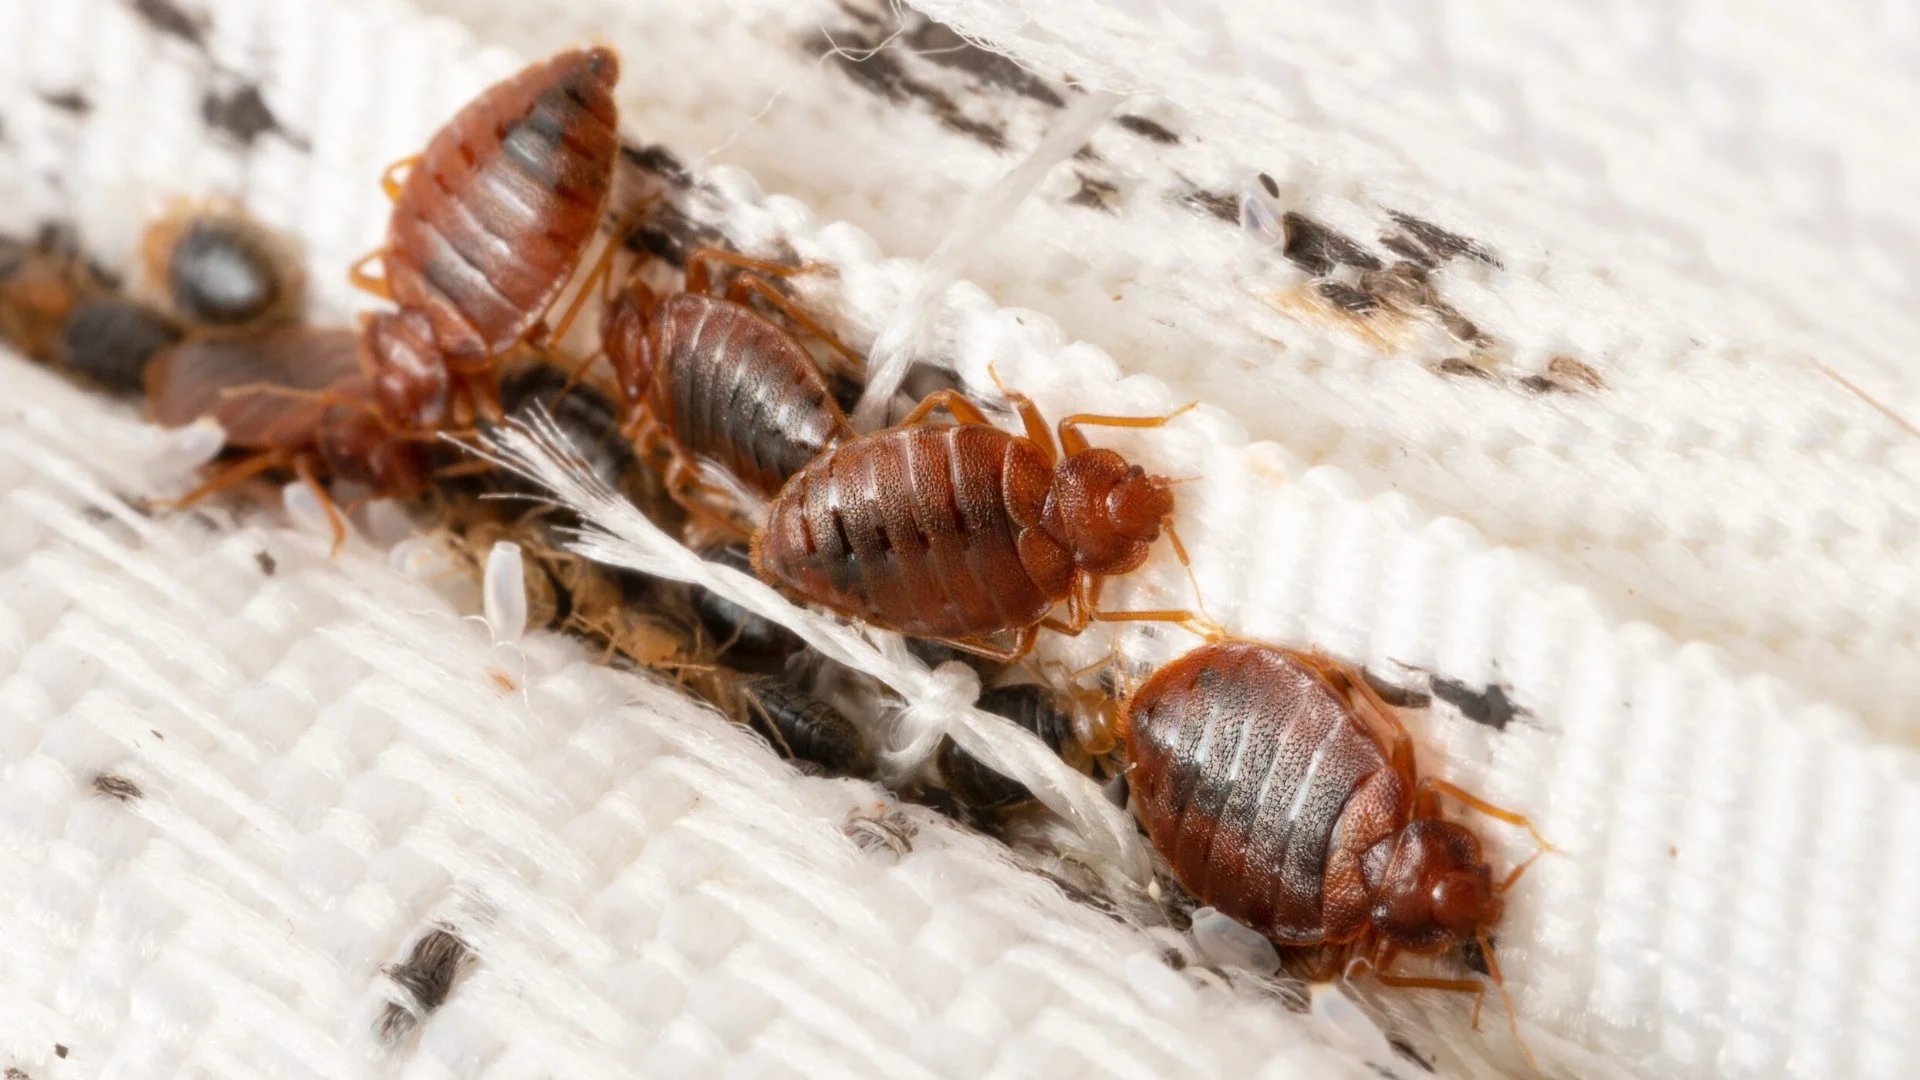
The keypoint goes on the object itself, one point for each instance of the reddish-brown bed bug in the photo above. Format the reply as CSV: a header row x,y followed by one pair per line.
x,y
1283,792
488,227
960,532
711,378
290,398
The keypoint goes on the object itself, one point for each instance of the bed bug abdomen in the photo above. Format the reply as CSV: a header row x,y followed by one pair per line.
x,y
493,219
922,529
734,388
1262,791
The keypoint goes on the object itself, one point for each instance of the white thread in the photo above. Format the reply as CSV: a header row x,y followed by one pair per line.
x,y
982,214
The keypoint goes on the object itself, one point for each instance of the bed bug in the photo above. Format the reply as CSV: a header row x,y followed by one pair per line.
x,y
1283,792
961,532
744,638
711,378
110,339
1035,708
802,726
488,226
290,398
42,282
219,267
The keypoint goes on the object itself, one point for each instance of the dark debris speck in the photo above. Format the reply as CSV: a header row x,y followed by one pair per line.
x,y
1444,245
1454,365
242,114
1148,128
1347,298
1488,706
70,101
1094,194
1318,248
171,19
116,787
1214,204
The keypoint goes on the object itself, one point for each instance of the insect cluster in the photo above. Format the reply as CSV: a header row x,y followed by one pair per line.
x,y
1277,785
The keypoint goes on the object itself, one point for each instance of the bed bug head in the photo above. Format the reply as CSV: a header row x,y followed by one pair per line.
x,y
1107,512
410,378
629,347
360,448
1431,887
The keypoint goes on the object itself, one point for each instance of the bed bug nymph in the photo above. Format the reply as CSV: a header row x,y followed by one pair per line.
x,y
1283,791
960,532
293,399
487,228
712,378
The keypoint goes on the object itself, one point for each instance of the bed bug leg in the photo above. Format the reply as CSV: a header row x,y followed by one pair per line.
x,y
1426,796
303,468
953,401
373,284
1022,645
391,178
1073,442
745,285
231,476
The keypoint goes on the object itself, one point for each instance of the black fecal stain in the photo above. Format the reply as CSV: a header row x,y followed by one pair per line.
x,y
1489,707
937,43
1410,249
1094,194
427,973
1317,249
1454,365
1175,959
1400,697
97,515
59,1051
16,1073
68,101
659,161
116,787
1087,154
1443,244
881,72
167,18
1406,285
1540,384
156,735
243,115
1214,204
1347,298
265,560
1148,128
670,234
1474,957
1572,376
1405,1049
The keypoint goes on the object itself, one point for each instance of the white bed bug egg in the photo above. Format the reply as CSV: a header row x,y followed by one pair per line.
x,y
178,452
1336,1013
1225,943
306,512
503,597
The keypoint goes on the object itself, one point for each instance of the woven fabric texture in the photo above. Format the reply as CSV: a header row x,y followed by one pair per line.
x,y
239,788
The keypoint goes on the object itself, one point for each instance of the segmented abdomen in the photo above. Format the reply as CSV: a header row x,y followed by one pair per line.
x,y
1245,768
913,529
736,389
494,217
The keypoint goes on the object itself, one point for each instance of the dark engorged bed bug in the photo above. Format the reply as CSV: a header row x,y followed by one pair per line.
x,y
110,340
42,282
803,727
1283,792
488,227
744,638
960,532
292,399
1033,707
218,267
710,378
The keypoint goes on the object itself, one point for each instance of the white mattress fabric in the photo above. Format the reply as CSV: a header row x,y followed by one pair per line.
x,y
240,782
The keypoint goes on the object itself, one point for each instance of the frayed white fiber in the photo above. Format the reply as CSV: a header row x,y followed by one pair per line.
x,y
938,702
982,214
